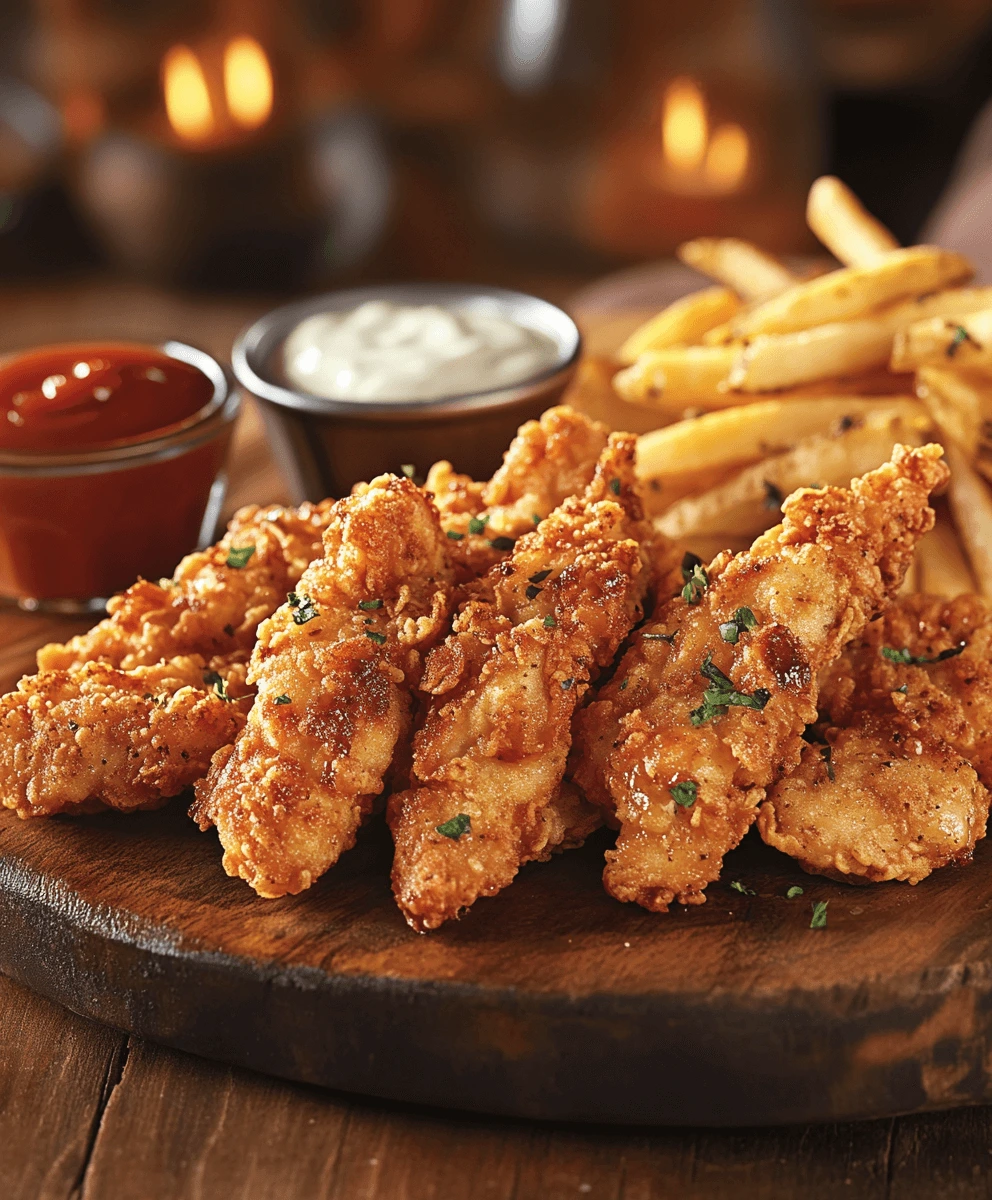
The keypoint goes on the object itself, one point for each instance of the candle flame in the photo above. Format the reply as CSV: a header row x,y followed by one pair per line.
x,y
684,126
187,100
727,158
247,82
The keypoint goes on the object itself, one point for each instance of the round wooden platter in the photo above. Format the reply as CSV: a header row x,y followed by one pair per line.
x,y
550,1001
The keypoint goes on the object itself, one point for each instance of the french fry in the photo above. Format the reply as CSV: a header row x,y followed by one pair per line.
x,y
753,431
781,360
941,566
740,265
662,493
854,292
678,376
750,502
591,392
945,341
961,405
682,323
841,222
971,506
951,302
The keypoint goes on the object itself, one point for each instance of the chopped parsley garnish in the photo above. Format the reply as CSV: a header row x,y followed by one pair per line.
x,y
283,699
536,518
684,793
456,826
477,524
904,658
566,684
904,689
744,891
533,591
793,892
502,543
74,728
694,574
540,576
742,620
238,556
219,685
550,622
961,335
660,637
623,686
773,496
370,605
303,608
819,920
409,470
378,638
825,751
721,694
455,537
615,486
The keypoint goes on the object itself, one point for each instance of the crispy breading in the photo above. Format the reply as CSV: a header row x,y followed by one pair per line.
x,y
334,669
548,461
209,607
92,736
896,789
492,750
706,709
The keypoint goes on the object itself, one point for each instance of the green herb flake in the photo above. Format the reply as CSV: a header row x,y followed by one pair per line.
x,y
904,689
550,622
623,686
238,556
696,584
378,638
737,886
793,892
721,695
684,793
477,524
615,486
456,826
902,657
566,684
659,637
961,335
536,518
819,920
825,751
773,496
742,621
533,591
370,605
502,543
219,685
455,537
539,576
409,470
729,632
283,699
303,610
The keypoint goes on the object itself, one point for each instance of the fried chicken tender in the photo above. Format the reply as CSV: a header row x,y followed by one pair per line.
x,y
489,759
548,461
91,736
334,668
898,787
212,606
709,705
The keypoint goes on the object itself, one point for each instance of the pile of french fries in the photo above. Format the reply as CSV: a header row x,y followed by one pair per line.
x,y
767,382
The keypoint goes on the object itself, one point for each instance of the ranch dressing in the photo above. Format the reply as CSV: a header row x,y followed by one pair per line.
x,y
384,351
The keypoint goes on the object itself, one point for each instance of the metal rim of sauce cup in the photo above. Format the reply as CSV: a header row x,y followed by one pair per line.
x,y
324,447
209,422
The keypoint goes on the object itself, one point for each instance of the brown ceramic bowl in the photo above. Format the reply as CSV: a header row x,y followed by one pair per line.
x,y
325,446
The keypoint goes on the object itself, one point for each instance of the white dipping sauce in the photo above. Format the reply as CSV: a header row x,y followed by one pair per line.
x,y
383,351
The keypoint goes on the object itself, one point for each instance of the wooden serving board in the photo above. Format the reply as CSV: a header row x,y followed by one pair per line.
x,y
551,1000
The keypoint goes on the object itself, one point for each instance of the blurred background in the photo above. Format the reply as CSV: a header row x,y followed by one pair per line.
x,y
278,146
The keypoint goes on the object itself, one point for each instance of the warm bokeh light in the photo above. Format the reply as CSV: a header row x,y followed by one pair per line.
x,y
684,128
187,100
247,82
727,158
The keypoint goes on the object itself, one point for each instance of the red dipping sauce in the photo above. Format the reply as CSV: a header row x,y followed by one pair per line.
x,y
108,458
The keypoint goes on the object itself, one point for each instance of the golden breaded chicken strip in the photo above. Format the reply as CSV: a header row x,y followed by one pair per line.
x,y
709,705
334,668
214,602
896,789
548,461
489,760
91,736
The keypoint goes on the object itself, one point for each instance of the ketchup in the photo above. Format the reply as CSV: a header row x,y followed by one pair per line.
x,y
71,533
72,398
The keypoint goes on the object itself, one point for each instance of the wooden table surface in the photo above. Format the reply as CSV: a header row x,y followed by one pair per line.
x,y
87,1112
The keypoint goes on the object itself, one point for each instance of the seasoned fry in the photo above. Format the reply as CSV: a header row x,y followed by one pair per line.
x,y
677,376
844,226
971,506
854,292
751,502
754,431
681,323
945,342
942,568
961,405
748,271
592,393
781,360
